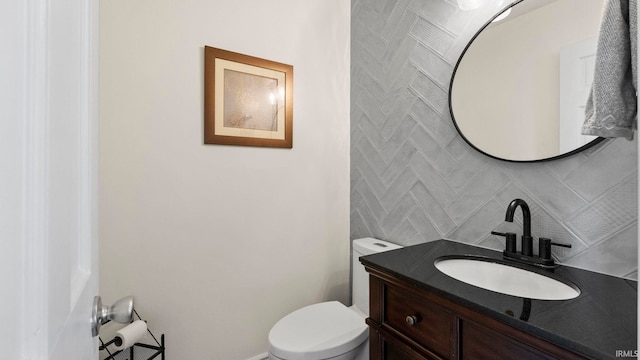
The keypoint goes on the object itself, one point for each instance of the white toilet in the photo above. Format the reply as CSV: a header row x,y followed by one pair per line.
x,y
330,330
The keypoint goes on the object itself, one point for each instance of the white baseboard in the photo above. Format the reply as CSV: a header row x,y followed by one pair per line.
x,y
264,356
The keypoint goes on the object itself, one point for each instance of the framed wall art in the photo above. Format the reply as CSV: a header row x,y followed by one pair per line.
x,y
248,101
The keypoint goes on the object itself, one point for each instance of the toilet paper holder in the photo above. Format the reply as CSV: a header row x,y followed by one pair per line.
x,y
148,351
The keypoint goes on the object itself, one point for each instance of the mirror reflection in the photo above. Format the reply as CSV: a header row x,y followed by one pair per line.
x,y
520,88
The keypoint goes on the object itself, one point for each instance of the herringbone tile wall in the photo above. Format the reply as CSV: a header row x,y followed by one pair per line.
x,y
415,180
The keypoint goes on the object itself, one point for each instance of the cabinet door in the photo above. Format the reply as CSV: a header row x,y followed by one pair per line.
x,y
392,352
389,348
478,342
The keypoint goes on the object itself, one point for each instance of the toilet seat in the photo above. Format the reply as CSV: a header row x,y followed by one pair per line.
x,y
319,331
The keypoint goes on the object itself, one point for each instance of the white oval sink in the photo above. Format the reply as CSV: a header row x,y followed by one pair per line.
x,y
492,275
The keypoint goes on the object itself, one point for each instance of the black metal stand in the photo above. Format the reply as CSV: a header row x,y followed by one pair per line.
x,y
149,352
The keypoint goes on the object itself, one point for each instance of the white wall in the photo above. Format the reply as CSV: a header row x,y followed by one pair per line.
x,y
215,242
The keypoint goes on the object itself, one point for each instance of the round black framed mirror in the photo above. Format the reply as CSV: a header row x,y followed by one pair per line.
x,y
519,88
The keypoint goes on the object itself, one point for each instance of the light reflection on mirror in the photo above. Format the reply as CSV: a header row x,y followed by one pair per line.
x,y
519,90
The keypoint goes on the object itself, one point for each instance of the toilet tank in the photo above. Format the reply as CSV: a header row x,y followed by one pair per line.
x,y
360,282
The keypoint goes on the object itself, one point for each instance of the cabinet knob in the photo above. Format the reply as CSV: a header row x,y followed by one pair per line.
x,y
411,320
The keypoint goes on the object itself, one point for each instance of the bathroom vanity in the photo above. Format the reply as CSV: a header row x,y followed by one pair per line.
x,y
417,312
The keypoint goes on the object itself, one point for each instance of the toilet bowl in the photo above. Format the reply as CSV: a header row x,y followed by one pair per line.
x,y
330,330
327,330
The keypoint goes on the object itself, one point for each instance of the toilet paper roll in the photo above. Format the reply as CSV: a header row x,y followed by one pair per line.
x,y
130,334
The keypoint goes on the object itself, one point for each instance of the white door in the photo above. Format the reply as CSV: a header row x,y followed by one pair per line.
x,y
48,178
577,64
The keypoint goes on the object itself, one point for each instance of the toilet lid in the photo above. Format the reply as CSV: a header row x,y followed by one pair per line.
x,y
318,331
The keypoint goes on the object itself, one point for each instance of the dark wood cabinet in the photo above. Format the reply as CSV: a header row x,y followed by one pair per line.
x,y
410,323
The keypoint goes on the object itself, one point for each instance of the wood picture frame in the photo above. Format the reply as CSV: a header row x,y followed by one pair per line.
x,y
248,101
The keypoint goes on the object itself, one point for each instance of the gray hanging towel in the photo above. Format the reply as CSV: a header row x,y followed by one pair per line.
x,y
612,105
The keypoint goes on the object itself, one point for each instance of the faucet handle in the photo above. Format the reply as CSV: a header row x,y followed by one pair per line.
x,y
544,247
510,240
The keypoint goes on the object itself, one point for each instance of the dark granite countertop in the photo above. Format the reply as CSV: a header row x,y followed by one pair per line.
x,y
599,323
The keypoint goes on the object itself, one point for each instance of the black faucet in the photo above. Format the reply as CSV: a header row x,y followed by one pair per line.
x,y
527,240
543,258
